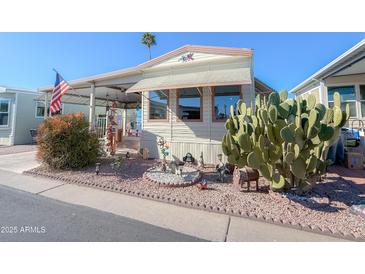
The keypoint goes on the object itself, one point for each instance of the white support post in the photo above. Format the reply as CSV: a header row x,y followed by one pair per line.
x,y
92,108
45,105
322,94
14,111
124,121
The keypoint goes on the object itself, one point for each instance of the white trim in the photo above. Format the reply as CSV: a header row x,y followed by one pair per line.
x,y
362,115
350,101
15,110
8,112
36,108
5,89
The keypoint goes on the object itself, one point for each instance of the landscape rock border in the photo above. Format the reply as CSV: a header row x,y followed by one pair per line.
x,y
179,202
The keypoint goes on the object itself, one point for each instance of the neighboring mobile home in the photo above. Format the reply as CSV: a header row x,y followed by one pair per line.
x,y
17,115
21,111
184,96
346,74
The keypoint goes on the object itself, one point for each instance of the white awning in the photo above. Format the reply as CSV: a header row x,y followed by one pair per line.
x,y
226,77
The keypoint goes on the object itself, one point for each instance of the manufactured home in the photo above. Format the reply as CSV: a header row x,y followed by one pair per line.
x,y
21,111
17,115
183,96
345,74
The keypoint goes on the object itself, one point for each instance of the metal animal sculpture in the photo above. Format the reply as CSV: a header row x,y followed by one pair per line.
x,y
245,175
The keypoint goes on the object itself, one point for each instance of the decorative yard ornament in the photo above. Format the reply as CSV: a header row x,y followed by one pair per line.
x,y
201,161
179,172
188,158
164,149
221,168
245,175
117,164
173,167
187,57
111,130
287,140
97,168
202,185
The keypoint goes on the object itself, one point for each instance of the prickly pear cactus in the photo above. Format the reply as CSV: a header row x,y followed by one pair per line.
x,y
287,140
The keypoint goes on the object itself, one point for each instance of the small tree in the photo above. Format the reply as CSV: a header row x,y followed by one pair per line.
x,y
149,40
64,141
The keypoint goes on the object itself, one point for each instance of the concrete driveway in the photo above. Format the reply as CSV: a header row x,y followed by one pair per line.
x,y
18,162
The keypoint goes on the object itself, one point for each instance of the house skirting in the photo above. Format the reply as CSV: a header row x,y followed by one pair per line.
x,y
178,149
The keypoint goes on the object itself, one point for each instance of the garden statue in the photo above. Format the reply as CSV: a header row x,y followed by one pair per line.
x,y
202,185
287,140
201,161
179,172
111,129
188,158
97,168
221,169
245,174
173,167
164,151
117,164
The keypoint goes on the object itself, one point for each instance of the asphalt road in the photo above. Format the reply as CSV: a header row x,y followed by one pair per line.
x,y
30,217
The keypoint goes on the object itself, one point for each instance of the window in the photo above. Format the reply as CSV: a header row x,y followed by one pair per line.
x,y
4,112
347,97
39,111
362,100
158,101
189,104
223,97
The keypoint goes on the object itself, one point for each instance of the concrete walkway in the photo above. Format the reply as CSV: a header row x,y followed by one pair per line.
x,y
197,223
18,162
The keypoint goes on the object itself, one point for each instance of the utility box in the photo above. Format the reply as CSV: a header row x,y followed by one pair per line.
x,y
354,160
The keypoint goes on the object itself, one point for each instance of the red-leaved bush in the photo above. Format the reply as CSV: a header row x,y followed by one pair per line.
x,y
65,142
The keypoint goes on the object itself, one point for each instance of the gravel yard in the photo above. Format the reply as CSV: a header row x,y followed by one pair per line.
x,y
326,209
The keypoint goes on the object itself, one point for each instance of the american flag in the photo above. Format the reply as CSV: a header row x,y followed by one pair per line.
x,y
60,88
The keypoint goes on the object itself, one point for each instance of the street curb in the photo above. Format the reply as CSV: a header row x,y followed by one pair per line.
x,y
243,214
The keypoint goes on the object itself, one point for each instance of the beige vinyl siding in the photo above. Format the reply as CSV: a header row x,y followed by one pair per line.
x,y
314,92
194,137
347,79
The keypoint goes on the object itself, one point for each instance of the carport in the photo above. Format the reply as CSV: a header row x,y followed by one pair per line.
x,y
104,90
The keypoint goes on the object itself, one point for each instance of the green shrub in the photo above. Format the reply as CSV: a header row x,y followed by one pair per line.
x,y
65,142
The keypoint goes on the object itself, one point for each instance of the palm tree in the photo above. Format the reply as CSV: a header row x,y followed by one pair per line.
x,y
148,39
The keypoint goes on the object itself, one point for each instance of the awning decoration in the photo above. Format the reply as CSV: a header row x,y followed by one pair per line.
x,y
236,76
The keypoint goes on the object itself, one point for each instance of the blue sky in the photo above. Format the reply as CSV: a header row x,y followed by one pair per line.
x,y
282,60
